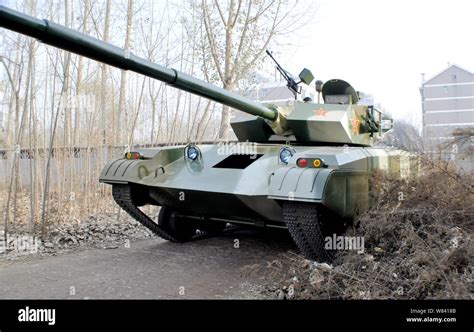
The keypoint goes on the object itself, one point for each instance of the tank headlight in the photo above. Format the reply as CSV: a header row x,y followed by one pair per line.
x,y
192,152
286,154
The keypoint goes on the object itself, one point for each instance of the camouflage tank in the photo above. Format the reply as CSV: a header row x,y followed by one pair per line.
x,y
298,165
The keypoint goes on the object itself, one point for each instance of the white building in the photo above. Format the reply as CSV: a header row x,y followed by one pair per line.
x,y
448,113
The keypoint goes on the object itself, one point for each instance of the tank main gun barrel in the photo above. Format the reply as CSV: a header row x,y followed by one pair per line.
x,y
73,41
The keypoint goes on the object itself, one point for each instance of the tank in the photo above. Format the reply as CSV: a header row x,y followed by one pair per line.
x,y
298,165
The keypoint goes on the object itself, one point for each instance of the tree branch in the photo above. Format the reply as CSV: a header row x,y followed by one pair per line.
x,y
211,40
242,38
221,14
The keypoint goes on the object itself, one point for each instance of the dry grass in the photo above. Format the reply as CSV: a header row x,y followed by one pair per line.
x,y
418,245
62,209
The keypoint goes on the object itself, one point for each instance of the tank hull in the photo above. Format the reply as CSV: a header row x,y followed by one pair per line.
x,y
249,182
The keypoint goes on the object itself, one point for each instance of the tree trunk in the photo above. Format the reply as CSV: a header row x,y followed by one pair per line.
x,y
103,78
67,80
54,121
228,84
122,111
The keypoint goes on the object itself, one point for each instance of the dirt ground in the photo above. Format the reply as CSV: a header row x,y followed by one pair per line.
x,y
126,262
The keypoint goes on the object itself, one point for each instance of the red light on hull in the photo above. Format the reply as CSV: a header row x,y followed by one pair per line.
x,y
302,163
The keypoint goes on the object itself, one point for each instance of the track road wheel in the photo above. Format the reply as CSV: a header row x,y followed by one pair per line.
x,y
302,220
181,229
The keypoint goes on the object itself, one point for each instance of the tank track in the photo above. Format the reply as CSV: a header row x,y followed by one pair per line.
x,y
305,229
122,196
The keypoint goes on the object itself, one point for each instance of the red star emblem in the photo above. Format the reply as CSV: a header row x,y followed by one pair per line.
x,y
320,112
355,126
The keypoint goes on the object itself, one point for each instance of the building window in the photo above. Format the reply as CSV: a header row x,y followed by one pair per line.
x,y
445,89
453,77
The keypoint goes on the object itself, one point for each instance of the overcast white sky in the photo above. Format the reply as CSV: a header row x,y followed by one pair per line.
x,y
382,47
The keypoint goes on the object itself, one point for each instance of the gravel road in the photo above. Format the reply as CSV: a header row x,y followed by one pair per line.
x,y
209,268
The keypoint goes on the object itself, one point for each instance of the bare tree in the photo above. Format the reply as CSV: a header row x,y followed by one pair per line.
x,y
404,136
123,81
237,34
103,75
54,124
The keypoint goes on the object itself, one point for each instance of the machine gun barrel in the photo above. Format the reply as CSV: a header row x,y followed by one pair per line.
x,y
73,41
